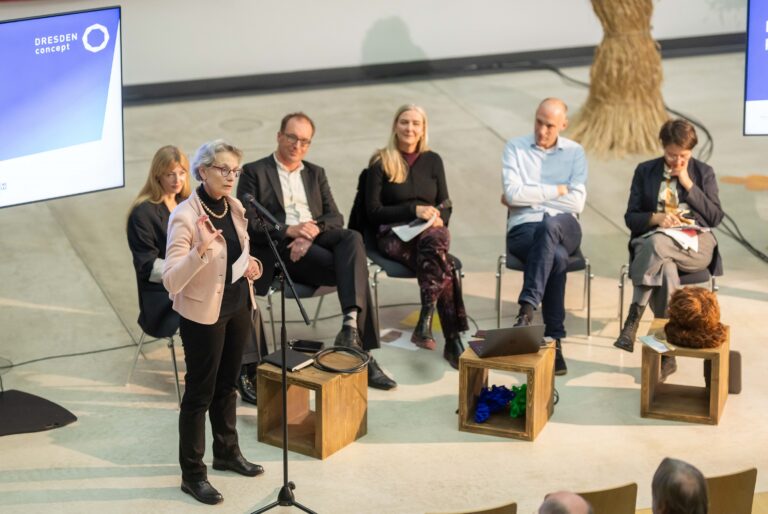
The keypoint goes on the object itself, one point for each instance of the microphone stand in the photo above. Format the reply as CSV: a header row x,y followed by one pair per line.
x,y
285,497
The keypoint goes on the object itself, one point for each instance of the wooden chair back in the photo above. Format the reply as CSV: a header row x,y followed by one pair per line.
x,y
617,500
508,508
760,505
732,494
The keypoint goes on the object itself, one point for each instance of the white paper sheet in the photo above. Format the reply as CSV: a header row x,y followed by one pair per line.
x,y
239,267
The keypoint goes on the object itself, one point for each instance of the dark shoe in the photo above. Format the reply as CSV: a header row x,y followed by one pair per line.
x,y
246,386
522,320
202,491
453,350
349,337
238,465
422,334
525,315
626,340
376,377
668,366
560,367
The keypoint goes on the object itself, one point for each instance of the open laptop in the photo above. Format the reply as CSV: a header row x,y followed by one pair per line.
x,y
509,341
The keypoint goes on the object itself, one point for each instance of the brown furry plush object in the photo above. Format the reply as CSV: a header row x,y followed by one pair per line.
x,y
694,319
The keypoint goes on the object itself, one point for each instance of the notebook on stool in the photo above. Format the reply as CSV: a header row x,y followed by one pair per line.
x,y
509,341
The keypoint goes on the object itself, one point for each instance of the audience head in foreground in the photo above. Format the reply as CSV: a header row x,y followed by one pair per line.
x,y
678,488
564,502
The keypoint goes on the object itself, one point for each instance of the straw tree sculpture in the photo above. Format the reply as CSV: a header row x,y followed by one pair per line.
x,y
625,109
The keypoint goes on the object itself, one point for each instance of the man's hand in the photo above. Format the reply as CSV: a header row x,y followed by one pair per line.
x,y
562,189
299,248
307,230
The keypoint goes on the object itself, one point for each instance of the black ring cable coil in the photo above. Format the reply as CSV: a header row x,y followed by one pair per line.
x,y
363,356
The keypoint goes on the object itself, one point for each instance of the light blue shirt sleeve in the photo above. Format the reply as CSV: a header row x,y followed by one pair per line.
x,y
520,189
573,201
531,175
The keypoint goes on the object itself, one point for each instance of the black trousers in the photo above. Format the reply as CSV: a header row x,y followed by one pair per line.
x,y
255,347
213,354
337,258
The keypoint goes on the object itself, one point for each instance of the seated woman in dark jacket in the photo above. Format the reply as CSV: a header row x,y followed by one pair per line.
x,y
406,181
667,193
147,229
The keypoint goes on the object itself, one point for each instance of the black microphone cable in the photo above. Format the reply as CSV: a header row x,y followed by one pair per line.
x,y
364,357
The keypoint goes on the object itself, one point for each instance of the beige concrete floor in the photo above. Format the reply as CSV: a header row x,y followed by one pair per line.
x,y
68,286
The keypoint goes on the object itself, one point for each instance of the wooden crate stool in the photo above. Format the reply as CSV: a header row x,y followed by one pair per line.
x,y
341,407
473,376
681,402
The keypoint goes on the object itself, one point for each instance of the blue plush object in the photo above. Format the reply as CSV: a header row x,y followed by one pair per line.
x,y
482,413
492,400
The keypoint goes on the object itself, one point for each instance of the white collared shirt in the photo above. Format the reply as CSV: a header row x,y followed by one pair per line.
x,y
294,195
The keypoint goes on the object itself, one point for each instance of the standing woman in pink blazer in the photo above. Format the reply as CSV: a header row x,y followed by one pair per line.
x,y
209,274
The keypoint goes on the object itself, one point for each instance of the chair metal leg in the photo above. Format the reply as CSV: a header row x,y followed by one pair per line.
x,y
588,291
270,309
172,347
623,272
317,311
136,357
376,297
713,284
499,270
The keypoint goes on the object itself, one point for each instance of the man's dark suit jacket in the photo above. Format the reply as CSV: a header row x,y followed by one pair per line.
x,y
260,179
703,200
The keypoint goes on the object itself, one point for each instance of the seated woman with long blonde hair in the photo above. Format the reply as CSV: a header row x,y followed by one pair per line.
x,y
147,229
405,181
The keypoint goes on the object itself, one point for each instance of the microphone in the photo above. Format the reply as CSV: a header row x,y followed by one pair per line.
x,y
262,212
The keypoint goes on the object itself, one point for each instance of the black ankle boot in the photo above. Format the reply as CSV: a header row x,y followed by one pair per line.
x,y
422,334
560,367
626,340
453,350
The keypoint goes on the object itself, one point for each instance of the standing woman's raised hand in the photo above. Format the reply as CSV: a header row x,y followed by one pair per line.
x,y
207,234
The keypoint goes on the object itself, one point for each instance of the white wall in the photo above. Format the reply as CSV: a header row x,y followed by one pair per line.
x,y
173,40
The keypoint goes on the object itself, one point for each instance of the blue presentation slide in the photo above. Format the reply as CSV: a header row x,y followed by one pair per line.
x,y
756,77
61,128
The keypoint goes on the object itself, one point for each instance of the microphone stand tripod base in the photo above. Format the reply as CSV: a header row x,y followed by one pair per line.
x,y
285,498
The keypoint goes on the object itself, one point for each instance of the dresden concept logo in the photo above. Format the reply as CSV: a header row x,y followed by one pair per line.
x,y
101,46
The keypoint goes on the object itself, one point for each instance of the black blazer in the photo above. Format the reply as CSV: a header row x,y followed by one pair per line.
x,y
703,200
261,180
147,231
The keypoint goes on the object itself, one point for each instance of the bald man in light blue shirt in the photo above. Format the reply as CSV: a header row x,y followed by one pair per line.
x,y
544,178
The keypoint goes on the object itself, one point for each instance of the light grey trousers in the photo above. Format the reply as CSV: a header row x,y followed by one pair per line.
x,y
653,271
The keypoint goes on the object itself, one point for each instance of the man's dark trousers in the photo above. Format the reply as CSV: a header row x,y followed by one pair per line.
x,y
544,247
337,258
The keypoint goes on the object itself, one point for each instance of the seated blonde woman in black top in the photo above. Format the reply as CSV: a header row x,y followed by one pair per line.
x,y
406,181
147,230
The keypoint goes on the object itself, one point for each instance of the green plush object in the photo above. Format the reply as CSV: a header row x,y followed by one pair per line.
x,y
517,405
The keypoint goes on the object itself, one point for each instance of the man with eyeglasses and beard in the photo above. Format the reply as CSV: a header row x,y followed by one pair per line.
x,y
315,247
